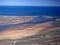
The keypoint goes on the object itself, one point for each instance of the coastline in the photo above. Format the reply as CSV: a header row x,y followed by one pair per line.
x,y
34,29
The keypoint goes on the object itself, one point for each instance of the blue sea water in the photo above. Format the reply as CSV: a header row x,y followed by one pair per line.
x,y
29,10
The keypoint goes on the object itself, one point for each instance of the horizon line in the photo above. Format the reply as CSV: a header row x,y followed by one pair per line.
x,y
28,5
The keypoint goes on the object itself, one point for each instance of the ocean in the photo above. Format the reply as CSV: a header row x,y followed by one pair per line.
x,y
29,10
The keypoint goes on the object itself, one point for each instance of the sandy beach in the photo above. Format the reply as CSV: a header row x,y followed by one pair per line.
x,y
24,31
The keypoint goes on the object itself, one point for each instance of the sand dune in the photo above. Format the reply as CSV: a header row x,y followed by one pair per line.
x,y
24,31
15,19
48,16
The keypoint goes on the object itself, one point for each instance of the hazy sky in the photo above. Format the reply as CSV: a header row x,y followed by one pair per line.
x,y
31,2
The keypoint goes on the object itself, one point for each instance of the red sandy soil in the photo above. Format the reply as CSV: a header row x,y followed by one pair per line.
x,y
24,31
